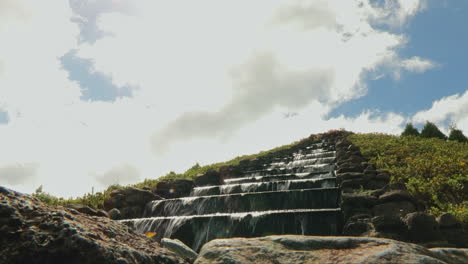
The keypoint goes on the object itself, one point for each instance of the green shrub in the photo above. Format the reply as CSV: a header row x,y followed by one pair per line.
x,y
430,130
410,130
434,170
457,135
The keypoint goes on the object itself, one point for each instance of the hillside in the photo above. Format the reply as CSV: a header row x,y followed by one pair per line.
x,y
433,170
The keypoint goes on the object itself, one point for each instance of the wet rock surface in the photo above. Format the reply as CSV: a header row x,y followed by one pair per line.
x,y
130,201
174,188
32,232
303,249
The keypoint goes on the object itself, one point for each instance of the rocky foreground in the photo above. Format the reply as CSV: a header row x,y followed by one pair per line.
x,y
310,250
32,232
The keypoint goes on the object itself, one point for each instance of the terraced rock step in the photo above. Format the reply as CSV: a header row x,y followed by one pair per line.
x,y
290,193
279,177
249,187
245,202
195,230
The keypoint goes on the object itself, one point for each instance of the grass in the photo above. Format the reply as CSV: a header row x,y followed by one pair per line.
x,y
434,170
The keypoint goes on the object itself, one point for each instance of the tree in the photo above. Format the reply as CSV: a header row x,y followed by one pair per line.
x,y
457,135
430,130
410,130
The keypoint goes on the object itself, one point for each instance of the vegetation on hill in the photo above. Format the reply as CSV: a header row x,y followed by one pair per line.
x,y
434,170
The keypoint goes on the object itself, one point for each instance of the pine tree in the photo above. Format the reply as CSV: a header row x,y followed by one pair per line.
x,y
430,130
457,135
410,130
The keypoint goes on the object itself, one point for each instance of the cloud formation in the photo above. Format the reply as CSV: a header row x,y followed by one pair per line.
x,y
18,173
449,110
210,75
213,72
122,174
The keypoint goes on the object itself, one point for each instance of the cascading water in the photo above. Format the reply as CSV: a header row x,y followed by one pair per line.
x,y
293,194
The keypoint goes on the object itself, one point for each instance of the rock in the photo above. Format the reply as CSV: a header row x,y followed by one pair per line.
x,y
350,168
396,196
354,148
353,204
349,176
130,201
212,177
304,249
422,227
451,255
389,227
89,211
394,209
375,184
357,183
180,249
32,232
452,230
383,175
455,237
229,171
174,188
357,225
115,214
447,220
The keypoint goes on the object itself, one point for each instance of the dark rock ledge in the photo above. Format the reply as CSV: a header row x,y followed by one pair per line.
x,y
32,232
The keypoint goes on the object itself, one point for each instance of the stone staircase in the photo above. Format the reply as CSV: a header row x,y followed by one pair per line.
x,y
295,193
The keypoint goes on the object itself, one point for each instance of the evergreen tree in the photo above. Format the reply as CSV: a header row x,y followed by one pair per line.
x,y
410,130
457,135
430,130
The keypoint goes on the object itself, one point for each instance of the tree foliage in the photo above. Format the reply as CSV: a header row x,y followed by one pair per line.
x,y
410,130
430,130
457,135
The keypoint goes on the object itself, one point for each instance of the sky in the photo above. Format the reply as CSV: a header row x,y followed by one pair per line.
x,y
94,93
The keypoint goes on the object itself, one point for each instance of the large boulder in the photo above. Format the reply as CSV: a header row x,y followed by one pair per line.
x,y
211,177
130,201
452,230
32,232
422,227
305,249
174,188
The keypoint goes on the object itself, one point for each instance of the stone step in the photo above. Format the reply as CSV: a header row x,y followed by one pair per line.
x,y
245,202
249,187
279,177
196,230
265,176
295,163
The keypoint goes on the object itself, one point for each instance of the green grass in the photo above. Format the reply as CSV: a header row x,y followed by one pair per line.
x,y
434,170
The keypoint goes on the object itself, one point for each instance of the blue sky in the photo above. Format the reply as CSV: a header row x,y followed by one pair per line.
x,y
438,33
94,93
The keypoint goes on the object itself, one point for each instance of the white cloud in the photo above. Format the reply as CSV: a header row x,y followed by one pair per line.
x,y
211,79
211,72
446,111
416,64
122,174
17,173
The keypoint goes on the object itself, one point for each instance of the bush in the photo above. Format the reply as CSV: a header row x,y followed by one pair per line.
x,y
457,135
410,130
435,171
430,130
